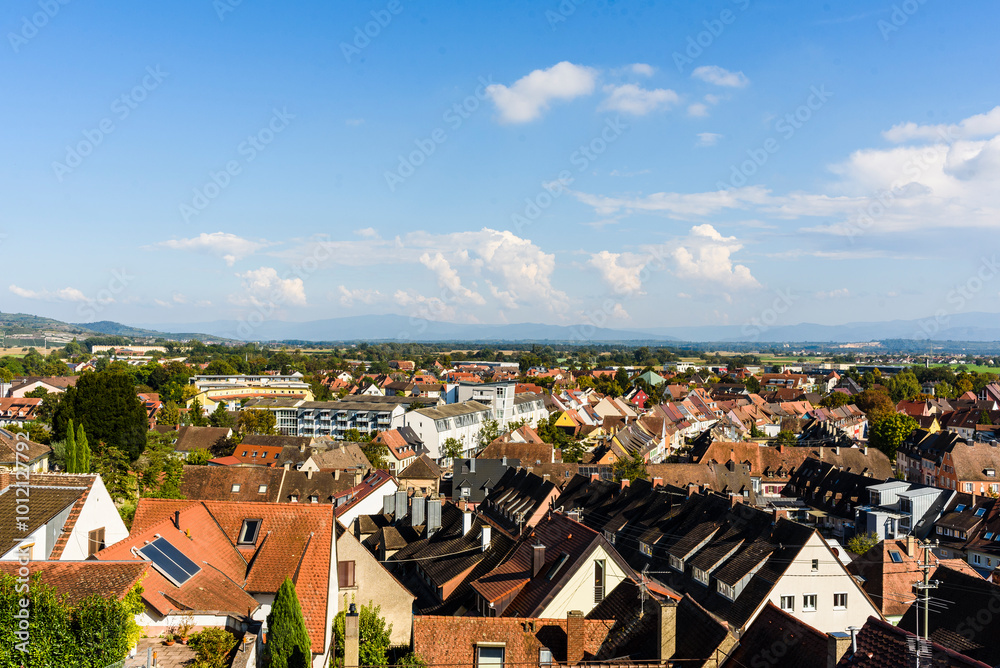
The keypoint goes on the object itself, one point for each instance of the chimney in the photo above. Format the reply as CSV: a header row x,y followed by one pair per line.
x,y
594,477
574,637
302,447
351,638
657,482
336,474
388,504
487,535
433,516
466,522
864,451
400,505
177,519
503,460
781,448
418,510
537,559
837,644
911,547
853,630
309,474
472,465
836,450
667,629
625,482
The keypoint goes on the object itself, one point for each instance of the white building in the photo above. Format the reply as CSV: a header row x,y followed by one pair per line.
x,y
434,426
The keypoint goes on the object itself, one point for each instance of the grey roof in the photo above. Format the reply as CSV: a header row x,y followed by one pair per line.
x,y
479,482
453,410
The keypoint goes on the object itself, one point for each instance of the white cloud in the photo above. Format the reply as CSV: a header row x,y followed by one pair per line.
x,y
265,287
222,244
839,293
679,205
641,69
349,297
428,308
708,138
618,312
974,127
367,233
720,76
528,97
706,256
448,278
633,99
698,110
61,295
621,271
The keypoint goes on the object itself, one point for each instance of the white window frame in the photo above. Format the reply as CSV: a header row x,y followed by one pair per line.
x,y
805,602
790,600
837,606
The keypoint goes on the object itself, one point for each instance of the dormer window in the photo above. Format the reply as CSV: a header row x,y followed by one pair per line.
x,y
262,489
700,575
313,499
236,488
676,563
646,549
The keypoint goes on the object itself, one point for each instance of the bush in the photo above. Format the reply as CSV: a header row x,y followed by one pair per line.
x,y
863,542
213,646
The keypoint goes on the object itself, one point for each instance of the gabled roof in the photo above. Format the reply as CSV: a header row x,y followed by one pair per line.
x,y
10,455
76,580
515,498
49,494
882,645
421,468
190,438
803,646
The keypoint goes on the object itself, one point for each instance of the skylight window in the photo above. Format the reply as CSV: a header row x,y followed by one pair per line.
x,y
169,561
989,535
980,512
896,557
236,488
248,532
261,489
960,508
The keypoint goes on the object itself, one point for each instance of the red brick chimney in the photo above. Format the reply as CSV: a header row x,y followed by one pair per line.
x,y
574,637
657,482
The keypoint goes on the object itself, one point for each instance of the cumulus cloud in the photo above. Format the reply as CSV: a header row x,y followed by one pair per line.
x,y
449,279
222,244
421,306
348,297
367,233
61,295
708,138
265,287
974,127
720,76
633,99
698,110
621,271
642,69
527,98
706,255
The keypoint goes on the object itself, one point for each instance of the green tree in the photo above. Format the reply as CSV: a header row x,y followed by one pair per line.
x,y
113,465
288,641
630,468
82,451
888,433
220,417
489,432
373,635
256,421
198,457
786,438
863,542
219,368
71,451
37,393
224,446
196,414
169,415
835,400
106,405
452,448
377,454
875,403
159,469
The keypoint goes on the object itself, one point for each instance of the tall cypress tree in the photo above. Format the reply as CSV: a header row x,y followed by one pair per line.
x,y
71,455
82,450
287,638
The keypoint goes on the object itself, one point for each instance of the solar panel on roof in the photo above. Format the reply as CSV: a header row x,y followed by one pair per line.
x,y
169,561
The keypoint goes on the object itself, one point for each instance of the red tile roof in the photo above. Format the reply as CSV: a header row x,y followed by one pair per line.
x,y
79,579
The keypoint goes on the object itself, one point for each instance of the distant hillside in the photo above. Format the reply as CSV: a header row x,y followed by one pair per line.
x,y
111,328
18,324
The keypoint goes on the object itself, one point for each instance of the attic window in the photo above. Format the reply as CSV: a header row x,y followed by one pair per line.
x,y
313,499
980,512
991,473
563,558
960,508
989,535
248,532
236,488
262,489
295,498
896,557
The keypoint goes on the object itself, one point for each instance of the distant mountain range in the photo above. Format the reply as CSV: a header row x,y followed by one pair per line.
x,y
973,327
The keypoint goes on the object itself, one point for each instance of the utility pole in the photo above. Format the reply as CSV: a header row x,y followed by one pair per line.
x,y
924,594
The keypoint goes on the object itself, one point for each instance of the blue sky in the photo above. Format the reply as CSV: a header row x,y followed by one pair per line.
x,y
629,164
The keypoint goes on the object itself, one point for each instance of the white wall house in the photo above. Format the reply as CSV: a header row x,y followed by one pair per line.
x,y
434,426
